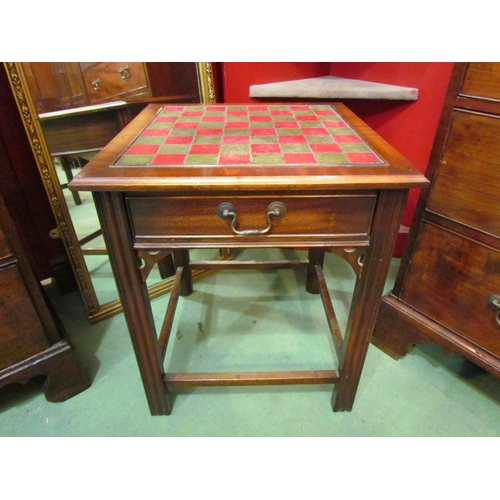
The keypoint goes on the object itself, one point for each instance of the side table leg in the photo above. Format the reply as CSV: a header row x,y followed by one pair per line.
x,y
316,257
135,300
181,259
367,295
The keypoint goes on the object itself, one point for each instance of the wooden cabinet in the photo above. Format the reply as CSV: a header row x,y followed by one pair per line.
x,y
451,266
66,85
31,340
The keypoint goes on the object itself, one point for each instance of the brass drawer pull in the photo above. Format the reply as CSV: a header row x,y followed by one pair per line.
x,y
96,84
226,211
124,72
493,301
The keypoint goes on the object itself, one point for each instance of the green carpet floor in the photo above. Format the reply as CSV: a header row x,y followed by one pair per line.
x,y
250,321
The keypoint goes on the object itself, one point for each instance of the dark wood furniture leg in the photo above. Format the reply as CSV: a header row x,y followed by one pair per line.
x,y
316,257
181,259
367,294
134,296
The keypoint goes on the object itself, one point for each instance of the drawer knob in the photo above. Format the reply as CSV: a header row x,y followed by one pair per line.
x,y
226,211
493,301
124,72
96,84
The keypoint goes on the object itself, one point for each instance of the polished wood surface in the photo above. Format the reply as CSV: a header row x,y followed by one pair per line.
x,y
452,261
148,209
31,342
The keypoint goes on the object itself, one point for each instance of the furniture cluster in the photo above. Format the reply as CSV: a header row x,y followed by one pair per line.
x,y
448,287
226,176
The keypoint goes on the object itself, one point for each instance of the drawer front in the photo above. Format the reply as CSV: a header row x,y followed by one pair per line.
x,y
482,80
185,219
114,80
467,185
449,279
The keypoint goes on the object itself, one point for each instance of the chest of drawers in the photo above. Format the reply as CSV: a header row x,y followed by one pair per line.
x,y
451,270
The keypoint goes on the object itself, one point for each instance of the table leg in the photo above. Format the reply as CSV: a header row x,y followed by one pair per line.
x,y
135,300
316,257
181,259
367,295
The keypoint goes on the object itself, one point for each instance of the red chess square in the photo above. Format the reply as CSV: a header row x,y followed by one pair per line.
x,y
299,158
260,118
315,131
350,138
266,148
334,124
166,119
286,125
237,112
300,108
262,131
234,159
205,149
281,112
168,160
186,125
362,157
258,108
237,125
213,119
307,118
235,139
292,139
156,131
178,139
209,131
174,108
325,148
143,149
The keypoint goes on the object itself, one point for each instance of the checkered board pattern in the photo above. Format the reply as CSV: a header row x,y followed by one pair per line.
x,y
277,135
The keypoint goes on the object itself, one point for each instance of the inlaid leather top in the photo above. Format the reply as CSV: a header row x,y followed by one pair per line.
x,y
308,135
261,147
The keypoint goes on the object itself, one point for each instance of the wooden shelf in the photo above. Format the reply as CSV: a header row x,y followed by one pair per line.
x,y
332,87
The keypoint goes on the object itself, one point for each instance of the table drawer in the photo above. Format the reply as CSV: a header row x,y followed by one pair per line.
x,y
449,279
184,219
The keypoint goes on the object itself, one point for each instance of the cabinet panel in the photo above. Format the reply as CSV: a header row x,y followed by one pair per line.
x,y
21,334
449,279
467,185
4,247
482,80
107,81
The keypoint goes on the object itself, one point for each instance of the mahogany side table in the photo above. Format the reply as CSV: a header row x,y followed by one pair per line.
x,y
244,176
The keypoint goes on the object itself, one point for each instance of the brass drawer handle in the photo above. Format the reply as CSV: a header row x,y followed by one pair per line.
x,y
124,72
96,84
226,211
493,301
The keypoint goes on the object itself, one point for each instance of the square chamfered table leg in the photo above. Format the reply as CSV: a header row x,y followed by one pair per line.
x,y
134,296
367,295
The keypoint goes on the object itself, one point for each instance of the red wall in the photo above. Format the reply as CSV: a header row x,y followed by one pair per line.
x,y
408,126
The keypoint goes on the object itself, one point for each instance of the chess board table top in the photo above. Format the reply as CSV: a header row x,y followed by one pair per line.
x,y
246,147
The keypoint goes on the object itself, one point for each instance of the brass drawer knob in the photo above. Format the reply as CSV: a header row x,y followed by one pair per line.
x,y
125,72
226,211
493,301
96,84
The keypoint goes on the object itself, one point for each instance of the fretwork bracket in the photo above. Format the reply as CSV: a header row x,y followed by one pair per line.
x,y
149,259
352,255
